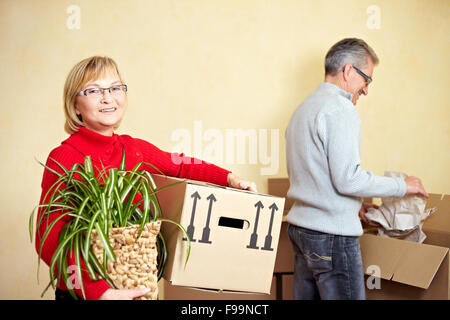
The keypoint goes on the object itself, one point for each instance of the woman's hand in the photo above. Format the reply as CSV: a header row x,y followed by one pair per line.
x,y
237,183
124,294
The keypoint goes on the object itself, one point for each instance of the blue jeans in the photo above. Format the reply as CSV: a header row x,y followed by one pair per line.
x,y
327,266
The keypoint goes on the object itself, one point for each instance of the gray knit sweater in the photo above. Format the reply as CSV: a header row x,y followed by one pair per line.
x,y
323,161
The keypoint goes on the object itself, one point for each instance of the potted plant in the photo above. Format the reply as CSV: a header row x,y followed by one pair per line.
x,y
114,226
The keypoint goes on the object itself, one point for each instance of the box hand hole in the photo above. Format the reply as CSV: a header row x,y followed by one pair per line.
x,y
233,223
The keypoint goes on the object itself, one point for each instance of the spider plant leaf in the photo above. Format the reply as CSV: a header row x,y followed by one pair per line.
x,y
73,170
80,210
102,174
105,242
103,205
119,208
57,257
122,166
146,200
65,273
31,223
129,201
98,267
129,187
110,186
89,266
188,251
47,287
62,246
88,168
47,231
152,166
87,240
112,181
76,249
50,169
61,166
92,183
162,255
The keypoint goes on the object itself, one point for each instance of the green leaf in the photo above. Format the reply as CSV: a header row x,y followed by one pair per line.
x,y
188,251
105,242
47,231
122,166
76,249
87,240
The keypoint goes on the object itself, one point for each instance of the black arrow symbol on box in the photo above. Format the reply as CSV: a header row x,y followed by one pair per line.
x,y
254,236
268,240
190,228
206,230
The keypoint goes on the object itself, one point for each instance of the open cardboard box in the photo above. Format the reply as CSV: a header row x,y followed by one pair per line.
x,y
408,270
234,235
411,270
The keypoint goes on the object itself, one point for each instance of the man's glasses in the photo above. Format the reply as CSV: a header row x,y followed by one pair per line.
x,y
99,92
368,79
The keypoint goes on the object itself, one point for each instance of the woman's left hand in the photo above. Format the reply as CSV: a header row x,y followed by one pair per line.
x,y
238,183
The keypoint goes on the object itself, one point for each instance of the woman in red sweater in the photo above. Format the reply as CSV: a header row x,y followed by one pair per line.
x,y
94,103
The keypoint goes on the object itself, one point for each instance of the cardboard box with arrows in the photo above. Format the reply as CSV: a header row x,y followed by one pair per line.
x,y
234,235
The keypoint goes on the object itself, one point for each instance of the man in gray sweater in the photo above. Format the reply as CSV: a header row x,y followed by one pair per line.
x,y
326,179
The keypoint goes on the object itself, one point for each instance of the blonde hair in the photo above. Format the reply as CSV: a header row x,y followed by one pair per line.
x,y
84,71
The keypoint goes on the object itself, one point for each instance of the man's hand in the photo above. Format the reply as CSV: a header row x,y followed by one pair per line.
x,y
363,211
124,294
414,186
236,182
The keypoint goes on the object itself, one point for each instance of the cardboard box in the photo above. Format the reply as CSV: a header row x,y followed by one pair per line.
x,y
172,292
285,253
279,187
408,270
437,226
287,287
234,235
412,270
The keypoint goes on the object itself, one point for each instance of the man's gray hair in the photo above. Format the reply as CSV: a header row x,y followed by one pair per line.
x,y
350,50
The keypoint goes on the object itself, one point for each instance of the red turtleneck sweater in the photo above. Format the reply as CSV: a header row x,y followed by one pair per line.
x,y
107,151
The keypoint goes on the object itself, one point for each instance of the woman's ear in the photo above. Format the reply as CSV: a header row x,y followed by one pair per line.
x,y
78,113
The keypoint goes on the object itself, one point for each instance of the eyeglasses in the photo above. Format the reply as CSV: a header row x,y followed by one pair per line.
x,y
99,92
368,79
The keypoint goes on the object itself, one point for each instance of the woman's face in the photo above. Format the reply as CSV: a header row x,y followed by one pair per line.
x,y
102,113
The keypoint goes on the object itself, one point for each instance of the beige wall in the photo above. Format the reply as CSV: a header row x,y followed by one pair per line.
x,y
228,65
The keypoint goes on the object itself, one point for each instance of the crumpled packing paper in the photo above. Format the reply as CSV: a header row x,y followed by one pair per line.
x,y
401,218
